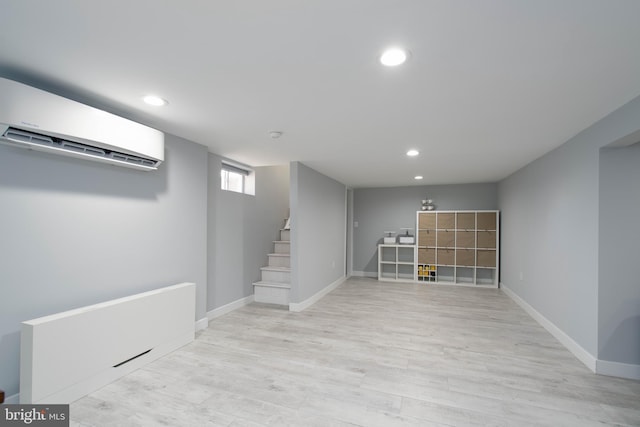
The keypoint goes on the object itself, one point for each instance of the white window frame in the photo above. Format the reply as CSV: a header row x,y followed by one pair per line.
x,y
246,175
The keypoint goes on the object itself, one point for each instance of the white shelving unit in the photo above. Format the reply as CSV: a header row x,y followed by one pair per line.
x,y
397,263
458,247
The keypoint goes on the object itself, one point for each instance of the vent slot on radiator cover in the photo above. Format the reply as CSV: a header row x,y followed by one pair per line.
x,y
132,358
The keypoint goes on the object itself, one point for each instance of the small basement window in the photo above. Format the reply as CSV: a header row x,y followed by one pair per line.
x,y
237,179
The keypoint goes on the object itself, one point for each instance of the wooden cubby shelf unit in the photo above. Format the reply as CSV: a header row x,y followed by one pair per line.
x,y
458,247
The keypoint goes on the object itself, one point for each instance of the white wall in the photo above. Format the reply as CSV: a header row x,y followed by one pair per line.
x,y
318,234
76,232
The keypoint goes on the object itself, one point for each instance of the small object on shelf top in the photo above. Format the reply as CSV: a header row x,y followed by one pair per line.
x,y
389,237
406,238
427,205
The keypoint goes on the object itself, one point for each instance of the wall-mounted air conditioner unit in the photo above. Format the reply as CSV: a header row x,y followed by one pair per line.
x,y
38,120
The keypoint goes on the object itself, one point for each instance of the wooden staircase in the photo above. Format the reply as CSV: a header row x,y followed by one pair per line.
x,y
276,277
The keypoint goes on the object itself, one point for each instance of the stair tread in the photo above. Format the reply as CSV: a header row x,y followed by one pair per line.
x,y
282,241
275,268
280,254
272,284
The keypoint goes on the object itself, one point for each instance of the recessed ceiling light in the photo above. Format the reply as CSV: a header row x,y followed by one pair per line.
x,y
393,57
156,101
419,177
412,153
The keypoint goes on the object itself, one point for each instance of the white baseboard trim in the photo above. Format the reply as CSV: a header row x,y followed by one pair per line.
x,y
228,308
371,274
202,324
12,400
576,349
617,369
317,297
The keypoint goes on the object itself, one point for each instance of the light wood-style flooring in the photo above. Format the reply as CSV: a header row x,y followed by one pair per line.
x,y
369,354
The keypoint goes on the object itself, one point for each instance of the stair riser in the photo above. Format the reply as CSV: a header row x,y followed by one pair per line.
x,y
285,234
276,276
271,295
279,261
282,248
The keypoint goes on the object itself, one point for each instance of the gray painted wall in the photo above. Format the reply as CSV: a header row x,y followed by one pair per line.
x,y
76,233
377,210
242,229
318,231
619,296
549,239
550,220
349,246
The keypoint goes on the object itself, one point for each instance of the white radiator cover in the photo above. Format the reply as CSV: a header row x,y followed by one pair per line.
x,y
70,354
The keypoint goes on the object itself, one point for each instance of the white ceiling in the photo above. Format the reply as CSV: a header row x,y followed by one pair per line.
x,y
490,86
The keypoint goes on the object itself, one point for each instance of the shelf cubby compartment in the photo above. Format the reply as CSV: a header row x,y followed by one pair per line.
x,y
446,274
465,257
406,254
427,238
445,256
446,221
426,272
426,256
465,221
487,221
446,239
485,276
427,220
465,275
466,239
388,254
486,258
388,271
486,239
405,271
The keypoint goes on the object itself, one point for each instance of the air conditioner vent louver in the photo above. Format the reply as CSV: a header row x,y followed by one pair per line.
x,y
35,140
81,148
131,159
29,137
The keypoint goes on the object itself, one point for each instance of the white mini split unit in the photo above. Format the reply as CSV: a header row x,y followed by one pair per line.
x,y
38,120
